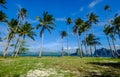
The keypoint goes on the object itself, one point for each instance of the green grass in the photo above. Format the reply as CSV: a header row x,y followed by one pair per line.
x,y
75,66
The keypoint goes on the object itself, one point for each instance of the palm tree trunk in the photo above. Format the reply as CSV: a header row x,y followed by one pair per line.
x,y
6,48
96,51
79,44
62,48
19,44
41,47
14,51
115,48
68,41
91,51
86,50
110,46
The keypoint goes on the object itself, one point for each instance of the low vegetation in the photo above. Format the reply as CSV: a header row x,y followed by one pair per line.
x,y
59,67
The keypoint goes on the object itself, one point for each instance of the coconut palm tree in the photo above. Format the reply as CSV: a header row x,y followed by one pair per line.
x,y
92,19
12,25
22,14
69,21
106,31
25,30
107,7
77,29
116,24
92,41
46,23
2,2
3,17
63,34
111,33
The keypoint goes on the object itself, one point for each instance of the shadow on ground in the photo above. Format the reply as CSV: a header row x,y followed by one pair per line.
x,y
114,65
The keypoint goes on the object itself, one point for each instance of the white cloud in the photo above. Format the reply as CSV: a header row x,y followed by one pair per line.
x,y
19,6
93,3
81,9
32,21
61,19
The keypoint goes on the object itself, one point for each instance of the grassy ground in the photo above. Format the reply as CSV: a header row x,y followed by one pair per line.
x,y
59,67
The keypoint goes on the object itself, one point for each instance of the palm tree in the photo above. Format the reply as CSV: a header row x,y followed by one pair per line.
x,y
116,25
2,2
63,34
69,21
22,14
92,19
106,31
107,7
111,33
25,30
46,23
77,29
12,25
3,17
92,41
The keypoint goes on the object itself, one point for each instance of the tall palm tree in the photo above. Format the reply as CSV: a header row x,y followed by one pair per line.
x,y
92,41
106,31
25,30
12,25
46,23
63,34
92,19
69,21
3,17
2,2
77,29
22,14
116,24
111,33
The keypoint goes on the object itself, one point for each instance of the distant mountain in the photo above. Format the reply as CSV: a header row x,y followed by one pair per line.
x,y
103,52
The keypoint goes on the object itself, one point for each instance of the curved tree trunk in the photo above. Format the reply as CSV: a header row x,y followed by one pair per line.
x,y
115,48
96,51
112,53
14,51
91,51
6,48
41,47
19,44
85,45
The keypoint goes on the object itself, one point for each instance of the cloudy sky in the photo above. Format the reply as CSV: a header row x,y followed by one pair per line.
x,y
61,9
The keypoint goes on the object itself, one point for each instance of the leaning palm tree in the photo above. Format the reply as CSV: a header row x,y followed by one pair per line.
x,y
3,17
22,14
77,29
92,41
25,30
92,19
12,25
111,33
69,21
106,31
46,23
63,34
116,24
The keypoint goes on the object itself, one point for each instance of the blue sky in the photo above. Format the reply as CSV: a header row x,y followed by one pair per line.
x,y
61,9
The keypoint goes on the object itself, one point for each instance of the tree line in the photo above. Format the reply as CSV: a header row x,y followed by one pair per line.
x,y
20,29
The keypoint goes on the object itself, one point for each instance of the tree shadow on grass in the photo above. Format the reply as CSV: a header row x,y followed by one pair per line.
x,y
110,64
